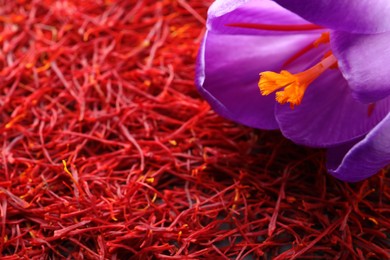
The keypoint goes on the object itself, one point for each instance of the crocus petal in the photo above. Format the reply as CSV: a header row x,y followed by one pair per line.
x,y
329,114
355,16
221,7
365,158
228,72
225,12
363,60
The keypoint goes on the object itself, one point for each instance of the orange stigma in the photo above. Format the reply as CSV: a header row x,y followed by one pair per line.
x,y
294,85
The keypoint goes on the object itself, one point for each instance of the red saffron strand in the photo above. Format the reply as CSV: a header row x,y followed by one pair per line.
x,y
277,27
298,54
108,152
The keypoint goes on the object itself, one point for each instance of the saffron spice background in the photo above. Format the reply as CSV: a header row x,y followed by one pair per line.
x,y
109,152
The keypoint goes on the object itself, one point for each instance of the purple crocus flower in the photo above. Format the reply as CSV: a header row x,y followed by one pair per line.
x,y
323,68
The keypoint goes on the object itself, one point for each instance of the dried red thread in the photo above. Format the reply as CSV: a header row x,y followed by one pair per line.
x,y
108,152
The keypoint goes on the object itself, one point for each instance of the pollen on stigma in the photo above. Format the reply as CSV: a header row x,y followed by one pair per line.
x,y
293,85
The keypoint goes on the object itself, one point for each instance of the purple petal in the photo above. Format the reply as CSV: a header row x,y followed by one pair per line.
x,y
228,73
365,158
328,114
363,60
222,13
355,16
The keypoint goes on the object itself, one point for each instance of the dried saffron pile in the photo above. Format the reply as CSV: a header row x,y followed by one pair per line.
x,y
108,151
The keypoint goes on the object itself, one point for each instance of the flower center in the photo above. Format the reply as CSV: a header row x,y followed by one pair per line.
x,y
293,85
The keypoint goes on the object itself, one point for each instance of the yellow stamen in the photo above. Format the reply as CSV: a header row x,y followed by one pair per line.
x,y
294,85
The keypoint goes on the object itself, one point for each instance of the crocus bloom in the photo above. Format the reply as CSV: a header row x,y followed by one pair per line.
x,y
324,74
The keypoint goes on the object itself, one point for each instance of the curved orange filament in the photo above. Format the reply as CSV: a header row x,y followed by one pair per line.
x,y
323,39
